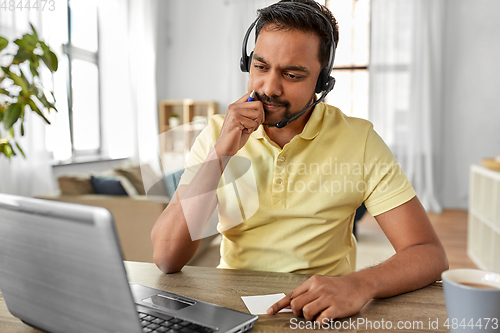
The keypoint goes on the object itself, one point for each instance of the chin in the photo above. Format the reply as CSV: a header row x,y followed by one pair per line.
x,y
272,118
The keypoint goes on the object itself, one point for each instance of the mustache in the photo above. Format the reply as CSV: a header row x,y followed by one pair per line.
x,y
271,100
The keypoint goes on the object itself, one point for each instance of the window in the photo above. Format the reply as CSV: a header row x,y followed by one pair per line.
x,y
75,132
83,101
350,70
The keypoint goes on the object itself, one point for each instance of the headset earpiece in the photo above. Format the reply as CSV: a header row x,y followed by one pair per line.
x,y
249,63
325,82
330,84
246,62
322,80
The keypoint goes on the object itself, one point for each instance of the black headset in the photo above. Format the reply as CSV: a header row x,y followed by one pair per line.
x,y
325,82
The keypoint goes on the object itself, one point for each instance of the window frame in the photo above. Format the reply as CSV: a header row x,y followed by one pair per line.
x,y
72,52
355,68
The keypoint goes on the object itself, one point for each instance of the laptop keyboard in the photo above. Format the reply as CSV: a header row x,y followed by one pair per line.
x,y
152,324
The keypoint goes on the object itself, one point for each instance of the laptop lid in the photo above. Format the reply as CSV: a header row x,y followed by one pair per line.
x,y
61,267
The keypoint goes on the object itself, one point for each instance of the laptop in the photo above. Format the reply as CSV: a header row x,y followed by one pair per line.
x,y
61,270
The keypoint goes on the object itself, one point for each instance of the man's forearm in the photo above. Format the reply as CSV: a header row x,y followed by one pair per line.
x,y
177,232
411,268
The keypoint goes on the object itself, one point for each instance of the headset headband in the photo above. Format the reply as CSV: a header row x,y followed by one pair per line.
x,y
325,82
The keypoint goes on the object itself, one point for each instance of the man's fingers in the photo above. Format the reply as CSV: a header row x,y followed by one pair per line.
x,y
315,308
281,304
244,98
286,301
242,123
253,111
299,302
329,313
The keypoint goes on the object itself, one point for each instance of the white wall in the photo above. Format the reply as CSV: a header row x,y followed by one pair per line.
x,y
471,78
193,51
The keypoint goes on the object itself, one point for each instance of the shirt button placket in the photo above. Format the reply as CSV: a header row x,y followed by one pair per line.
x,y
278,183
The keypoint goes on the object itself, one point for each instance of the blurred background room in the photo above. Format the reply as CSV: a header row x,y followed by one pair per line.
x,y
424,72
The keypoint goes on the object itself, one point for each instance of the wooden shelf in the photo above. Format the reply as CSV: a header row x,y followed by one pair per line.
x,y
179,139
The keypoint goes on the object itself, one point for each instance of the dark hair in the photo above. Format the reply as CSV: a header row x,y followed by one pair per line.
x,y
285,16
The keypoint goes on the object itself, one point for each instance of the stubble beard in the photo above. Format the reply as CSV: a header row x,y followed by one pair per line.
x,y
287,115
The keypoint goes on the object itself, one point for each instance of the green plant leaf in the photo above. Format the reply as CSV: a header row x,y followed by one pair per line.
x,y
12,115
46,103
33,69
19,81
27,42
21,56
7,150
55,63
26,82
37,110
3,43
11,149
4,92
22,152
49,57
34,31
22,130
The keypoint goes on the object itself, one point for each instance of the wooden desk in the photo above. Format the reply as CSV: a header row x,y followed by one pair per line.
x,y
224,287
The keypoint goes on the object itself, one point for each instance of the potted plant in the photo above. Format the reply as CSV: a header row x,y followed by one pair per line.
x,y
21,89
173,121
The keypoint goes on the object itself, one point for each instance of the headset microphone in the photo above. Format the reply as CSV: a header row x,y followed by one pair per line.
x,y
325,82
285,122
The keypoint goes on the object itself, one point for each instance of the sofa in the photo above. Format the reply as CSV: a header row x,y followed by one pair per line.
x,y
134,213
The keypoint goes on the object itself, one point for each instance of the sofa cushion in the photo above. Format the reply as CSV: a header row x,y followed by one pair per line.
x,y
172,182
75,185
133,174
107,185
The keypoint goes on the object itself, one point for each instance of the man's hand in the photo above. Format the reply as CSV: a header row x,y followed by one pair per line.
x,y
242,119
411,234
323,297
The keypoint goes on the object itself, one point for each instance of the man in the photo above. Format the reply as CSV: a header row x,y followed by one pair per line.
x,y
311,176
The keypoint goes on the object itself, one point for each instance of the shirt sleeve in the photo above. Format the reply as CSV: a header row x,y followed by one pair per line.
x,y
387,185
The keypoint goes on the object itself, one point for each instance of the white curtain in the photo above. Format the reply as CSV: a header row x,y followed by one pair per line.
x,y
128,92
33,175
405,86
128,35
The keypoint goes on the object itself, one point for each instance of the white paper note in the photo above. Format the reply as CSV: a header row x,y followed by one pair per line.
x,y
258,305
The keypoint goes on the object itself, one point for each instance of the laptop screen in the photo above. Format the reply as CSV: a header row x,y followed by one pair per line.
x,y
61,267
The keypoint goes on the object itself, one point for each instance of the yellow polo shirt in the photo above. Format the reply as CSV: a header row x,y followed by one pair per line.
x,y
307,192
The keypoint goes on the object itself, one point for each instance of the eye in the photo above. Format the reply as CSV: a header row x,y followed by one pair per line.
x,y
293,76
259,67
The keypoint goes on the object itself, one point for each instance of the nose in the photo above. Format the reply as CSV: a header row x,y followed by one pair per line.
x,y
272,85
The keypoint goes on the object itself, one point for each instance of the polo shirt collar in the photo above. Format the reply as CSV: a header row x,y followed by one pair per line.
x,y
310,131
313,125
